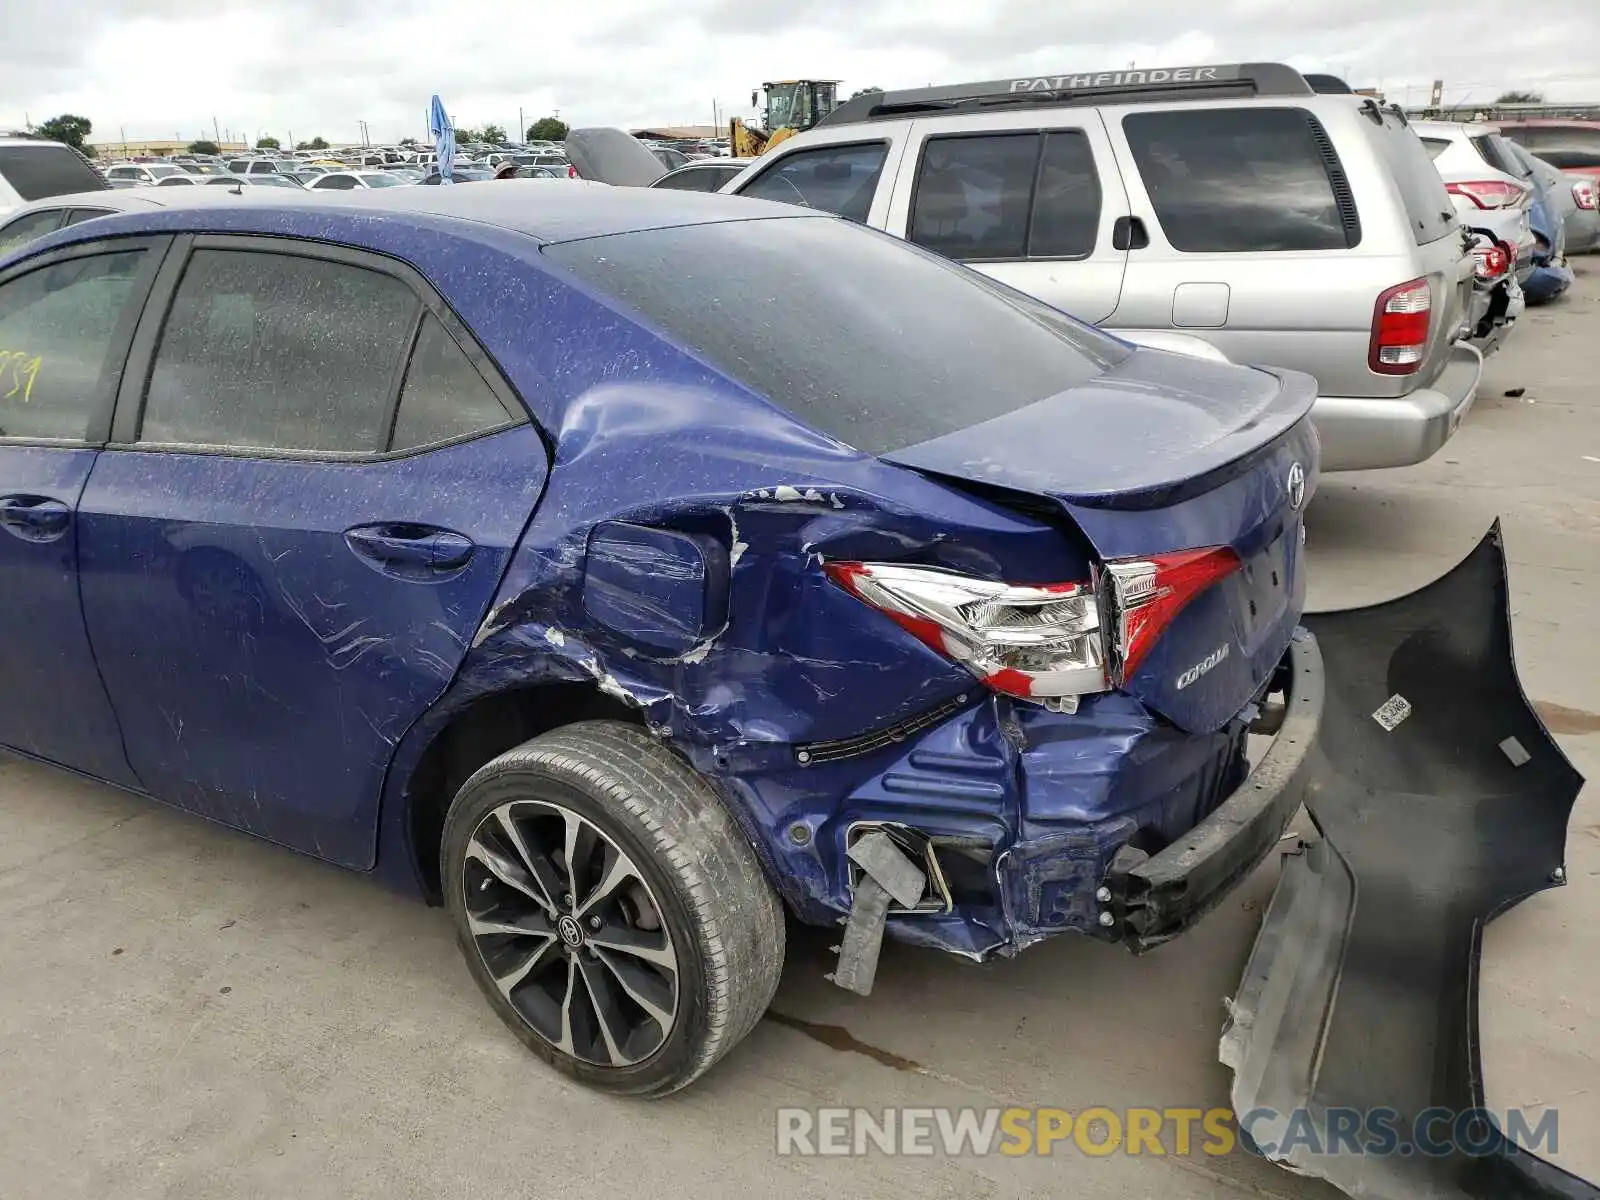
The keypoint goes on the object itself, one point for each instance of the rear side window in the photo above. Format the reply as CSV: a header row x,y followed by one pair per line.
x,y
863,336
84,214
1428,209
1498,155
57,329
700,179
1237,180
835,179
37,172
277,351
25,229
1007,196
444,397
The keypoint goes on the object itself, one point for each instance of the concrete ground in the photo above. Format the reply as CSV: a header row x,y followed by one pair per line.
x,y
185,1012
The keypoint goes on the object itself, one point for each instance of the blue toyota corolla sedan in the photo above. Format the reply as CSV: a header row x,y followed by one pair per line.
x,y
623,568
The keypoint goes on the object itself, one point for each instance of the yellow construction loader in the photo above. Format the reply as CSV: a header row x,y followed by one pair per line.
x,y
792,106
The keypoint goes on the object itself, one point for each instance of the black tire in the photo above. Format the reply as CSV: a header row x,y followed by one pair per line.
x,y
725,924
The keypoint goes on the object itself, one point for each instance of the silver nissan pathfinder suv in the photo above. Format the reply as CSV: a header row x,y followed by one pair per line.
x,y
1286,226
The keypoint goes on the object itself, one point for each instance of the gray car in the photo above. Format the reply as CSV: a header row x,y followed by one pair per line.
x,y
1580,224
23,225
1287,226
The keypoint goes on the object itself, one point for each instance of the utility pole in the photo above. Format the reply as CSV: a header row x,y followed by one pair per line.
x,y
522,129
216,131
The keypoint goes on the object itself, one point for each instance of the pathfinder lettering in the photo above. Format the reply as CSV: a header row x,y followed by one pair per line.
x,y
1063,83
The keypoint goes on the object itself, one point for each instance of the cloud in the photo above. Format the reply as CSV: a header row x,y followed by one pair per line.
x,y
168,67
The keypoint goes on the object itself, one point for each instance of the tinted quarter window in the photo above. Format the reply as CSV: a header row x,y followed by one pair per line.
x,y
1498,155
37,172
1238,179
57,325
1435,146
25,229
335,183
444,397
1066,202
1007,196
836,179
1429,211
698,179
867,338
276,351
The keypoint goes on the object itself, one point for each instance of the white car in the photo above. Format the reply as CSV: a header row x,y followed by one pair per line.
x,y
1473,162
31,170
143,173
349,181
47,215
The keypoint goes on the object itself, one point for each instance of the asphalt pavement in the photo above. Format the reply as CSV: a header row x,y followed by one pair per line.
x,y
186,1012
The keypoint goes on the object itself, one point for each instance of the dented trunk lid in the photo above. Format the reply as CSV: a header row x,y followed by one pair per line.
x,y
1165,453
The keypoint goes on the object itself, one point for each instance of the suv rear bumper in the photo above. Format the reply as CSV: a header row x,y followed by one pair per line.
x,y
1359,433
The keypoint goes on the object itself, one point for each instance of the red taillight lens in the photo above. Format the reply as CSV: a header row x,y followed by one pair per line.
x,y
1489,193
1583,194
1400,322
1150,593
1491,261
1043,642
572,171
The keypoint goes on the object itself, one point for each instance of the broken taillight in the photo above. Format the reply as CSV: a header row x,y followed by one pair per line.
x,y
1490,193
1044,642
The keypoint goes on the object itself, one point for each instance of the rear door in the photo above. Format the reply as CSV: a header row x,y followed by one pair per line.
x,y
65,321
314,483
1033,207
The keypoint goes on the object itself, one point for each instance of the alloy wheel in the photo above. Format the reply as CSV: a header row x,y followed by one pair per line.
x,y
571,933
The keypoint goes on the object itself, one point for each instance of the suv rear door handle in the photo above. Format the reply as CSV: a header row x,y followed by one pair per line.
x,y
402,545
1129,233
34,518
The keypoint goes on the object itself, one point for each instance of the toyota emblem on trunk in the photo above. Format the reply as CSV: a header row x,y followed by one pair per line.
x,y
1297,486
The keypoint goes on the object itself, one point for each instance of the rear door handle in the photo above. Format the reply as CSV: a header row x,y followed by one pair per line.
x,y
414,546
1129,233
34,518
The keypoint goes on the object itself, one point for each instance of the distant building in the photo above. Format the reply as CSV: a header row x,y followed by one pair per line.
x,y
157,149
676,132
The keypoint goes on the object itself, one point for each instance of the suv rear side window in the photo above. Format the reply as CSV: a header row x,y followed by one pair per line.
x,y
836,179
1007,196
1236,180
278,351
37,172
1410,161
862,336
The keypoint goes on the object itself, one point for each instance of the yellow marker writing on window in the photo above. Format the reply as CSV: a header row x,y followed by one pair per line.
x,y
23,370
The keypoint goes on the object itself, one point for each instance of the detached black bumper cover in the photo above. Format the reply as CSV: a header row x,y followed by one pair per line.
x,y
1155,898
1442,801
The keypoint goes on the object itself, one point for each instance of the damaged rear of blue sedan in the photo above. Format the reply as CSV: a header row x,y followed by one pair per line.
x,y
700,559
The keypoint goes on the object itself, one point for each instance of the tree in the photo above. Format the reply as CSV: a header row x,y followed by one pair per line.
x,y
867,91
492,134
408,141
67,128
268,143
465,134
1520,98
315,143
204,147
547,129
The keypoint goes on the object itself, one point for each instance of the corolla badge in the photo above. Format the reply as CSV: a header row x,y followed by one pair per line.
x,y
1204,665
1296,484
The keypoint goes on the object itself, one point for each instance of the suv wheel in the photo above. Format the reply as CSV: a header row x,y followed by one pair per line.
x,y
610,909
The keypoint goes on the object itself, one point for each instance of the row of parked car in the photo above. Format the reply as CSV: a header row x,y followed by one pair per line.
x,y
1272,217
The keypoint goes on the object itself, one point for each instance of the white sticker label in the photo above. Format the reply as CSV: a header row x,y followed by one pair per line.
x,y
1392,711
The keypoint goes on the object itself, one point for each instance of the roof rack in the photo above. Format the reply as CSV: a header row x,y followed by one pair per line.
x,y
1164,83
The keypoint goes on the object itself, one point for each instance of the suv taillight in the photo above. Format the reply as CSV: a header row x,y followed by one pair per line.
x,y
1492,261
1044,642
1400,322
572,171
1490,193
1583,194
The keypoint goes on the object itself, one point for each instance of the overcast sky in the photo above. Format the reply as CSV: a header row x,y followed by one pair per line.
x,y
164,68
